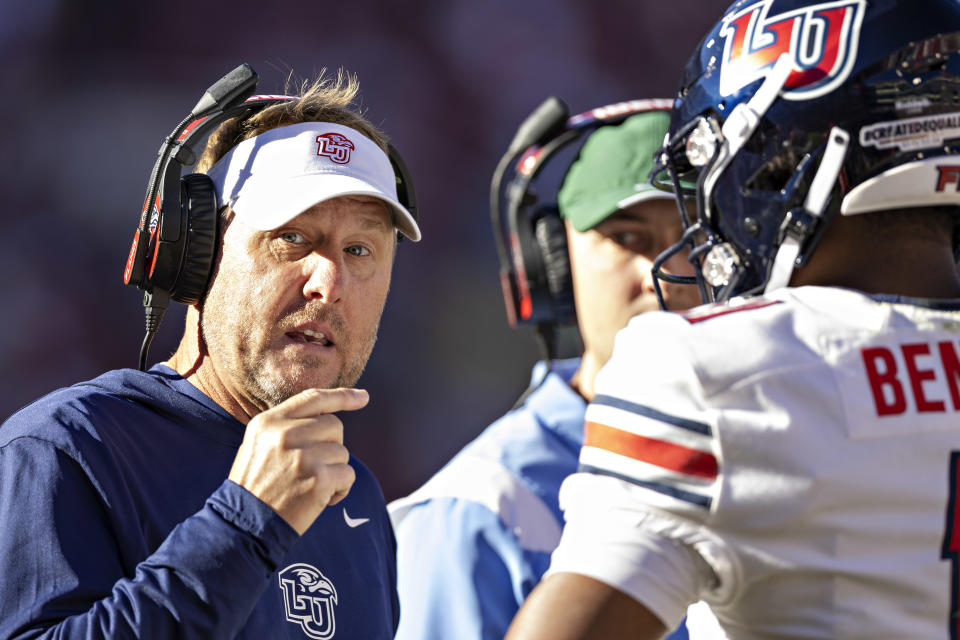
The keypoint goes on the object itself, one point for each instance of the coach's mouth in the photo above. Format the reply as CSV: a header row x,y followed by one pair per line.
x,y
310,336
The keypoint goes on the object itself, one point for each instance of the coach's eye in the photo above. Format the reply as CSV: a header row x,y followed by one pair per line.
x,y
357,250
292,237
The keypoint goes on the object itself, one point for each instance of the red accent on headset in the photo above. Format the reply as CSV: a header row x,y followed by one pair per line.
x,y
268,96
509,297
190,127
153,248
523,287
130,257
619,109
258,98
526,307
152,244
529,161
532,157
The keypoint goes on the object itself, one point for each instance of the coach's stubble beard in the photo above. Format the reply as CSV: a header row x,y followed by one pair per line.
x,y
261,377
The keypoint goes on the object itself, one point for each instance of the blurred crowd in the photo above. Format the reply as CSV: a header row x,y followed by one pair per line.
x,y
91,89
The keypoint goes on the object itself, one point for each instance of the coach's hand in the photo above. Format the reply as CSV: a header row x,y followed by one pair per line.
x,y
292,455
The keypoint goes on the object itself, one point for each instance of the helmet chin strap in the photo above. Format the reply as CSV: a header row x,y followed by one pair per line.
x,y
798,225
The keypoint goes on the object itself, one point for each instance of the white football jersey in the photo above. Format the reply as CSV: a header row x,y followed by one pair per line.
x,y
789,459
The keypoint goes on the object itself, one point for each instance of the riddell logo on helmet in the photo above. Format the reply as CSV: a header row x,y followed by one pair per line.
x,y
335,146
821,40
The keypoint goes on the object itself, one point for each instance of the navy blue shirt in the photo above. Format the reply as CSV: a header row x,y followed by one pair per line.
x,y
116,521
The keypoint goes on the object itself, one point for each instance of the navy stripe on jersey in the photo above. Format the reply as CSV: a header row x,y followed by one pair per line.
x,y
697,499
653,414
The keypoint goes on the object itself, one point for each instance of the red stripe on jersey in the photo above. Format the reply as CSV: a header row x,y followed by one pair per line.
x,y
699,314
663,454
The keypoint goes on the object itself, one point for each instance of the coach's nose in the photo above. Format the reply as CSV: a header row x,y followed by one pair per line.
x,y
325,277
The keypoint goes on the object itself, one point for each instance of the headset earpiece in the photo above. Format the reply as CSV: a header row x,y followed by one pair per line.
x,y
182,248
406,194
198,205
541,264
530,236
551,236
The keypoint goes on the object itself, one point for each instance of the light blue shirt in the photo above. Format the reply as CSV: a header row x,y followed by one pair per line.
x,y
477,537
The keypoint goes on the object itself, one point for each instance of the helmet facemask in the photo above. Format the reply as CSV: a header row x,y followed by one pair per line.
x,y
704,150
861,121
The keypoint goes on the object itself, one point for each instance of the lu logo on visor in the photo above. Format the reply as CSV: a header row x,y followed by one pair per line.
x,y
335,146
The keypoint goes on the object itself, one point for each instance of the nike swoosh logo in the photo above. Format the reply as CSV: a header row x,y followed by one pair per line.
x,y
354,522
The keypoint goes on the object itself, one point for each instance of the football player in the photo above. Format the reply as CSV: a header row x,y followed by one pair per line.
x,y
793,460
476,538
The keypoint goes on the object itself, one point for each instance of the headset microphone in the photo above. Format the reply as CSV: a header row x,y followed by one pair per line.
x,y
545,122
232,88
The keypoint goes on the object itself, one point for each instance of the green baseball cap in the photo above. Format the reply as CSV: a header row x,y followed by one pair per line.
x,y
612,171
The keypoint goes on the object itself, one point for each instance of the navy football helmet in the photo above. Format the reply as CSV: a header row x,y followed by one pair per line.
x,y
791,112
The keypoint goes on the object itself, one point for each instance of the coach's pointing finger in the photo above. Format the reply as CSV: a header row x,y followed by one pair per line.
x,y
292,456
312,402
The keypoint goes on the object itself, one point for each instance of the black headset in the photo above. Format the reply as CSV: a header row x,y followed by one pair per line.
x,y
534,263
173,248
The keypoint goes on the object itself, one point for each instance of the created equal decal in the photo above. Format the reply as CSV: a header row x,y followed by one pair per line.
x,y
912,133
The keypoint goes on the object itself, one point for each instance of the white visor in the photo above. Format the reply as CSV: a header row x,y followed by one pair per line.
x,y
272,178
926,182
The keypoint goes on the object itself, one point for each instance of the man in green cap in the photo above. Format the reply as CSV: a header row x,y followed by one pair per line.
x,y
477,537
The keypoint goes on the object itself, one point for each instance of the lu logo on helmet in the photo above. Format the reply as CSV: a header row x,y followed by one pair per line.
x,y
821,39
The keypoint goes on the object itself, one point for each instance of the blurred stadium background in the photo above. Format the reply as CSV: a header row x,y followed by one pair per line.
x,y
93,87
